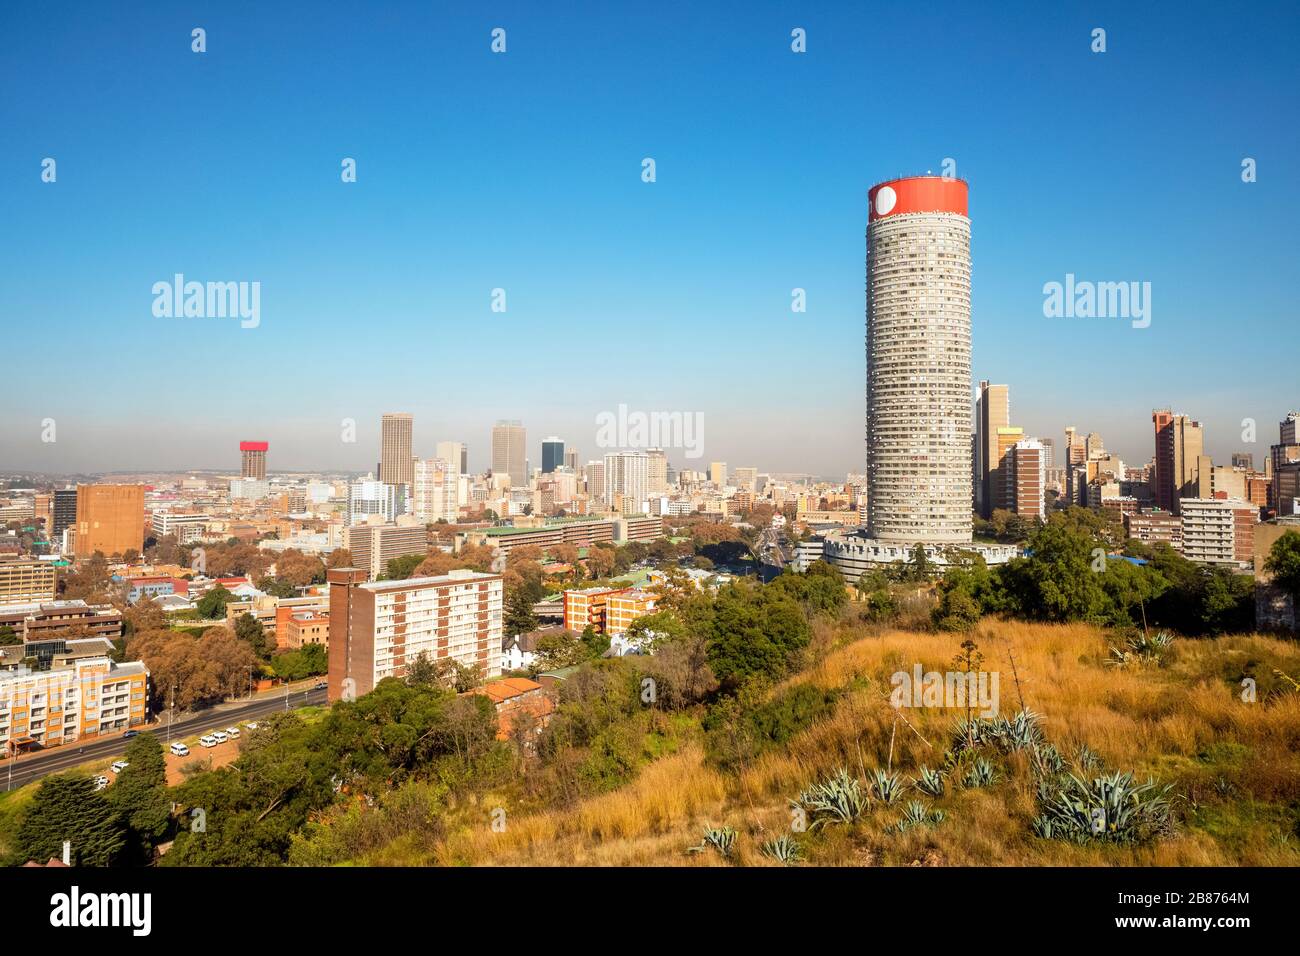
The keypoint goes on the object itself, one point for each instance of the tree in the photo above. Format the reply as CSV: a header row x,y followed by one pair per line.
x,y
139,795
600,562
1283,563
401,568
520,618
306,661
339,558
67,807
8,635
213,604
250,629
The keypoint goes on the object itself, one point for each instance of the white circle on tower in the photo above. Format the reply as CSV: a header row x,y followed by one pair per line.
x,y
885,199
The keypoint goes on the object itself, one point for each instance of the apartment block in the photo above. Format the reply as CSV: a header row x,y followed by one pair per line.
x,y
37,621
588,607
1213,528
305,627
1029,479
376,628
83,699
624,607
1155,527
27,582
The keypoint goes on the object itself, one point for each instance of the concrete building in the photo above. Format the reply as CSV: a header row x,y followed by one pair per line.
x,y
552,454
377,628
1155,527
918,362
992,411
81,698
1028,479
455,454
253,459
27,582
64,508
1179,444
718,473
186,527
375,499
627,481
372,546
510,451
395,459
1218,531
110,519
435,492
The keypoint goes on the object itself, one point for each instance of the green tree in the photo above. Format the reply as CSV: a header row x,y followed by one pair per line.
x,y
520,618
1283,563
67,807
8,635
212,605
250,629
139,795
399,569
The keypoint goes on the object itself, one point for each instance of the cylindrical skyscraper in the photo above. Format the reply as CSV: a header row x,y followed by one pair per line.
x,y
918,362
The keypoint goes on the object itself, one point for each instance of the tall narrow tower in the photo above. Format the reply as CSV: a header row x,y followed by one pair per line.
x,y
918,362
253,455
396,466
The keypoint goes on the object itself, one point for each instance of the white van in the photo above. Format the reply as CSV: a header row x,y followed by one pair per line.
x,y
232,732
207,740
180,750
118,766
220,736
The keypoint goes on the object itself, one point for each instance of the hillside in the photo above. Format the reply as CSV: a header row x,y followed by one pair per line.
x,y
1233,766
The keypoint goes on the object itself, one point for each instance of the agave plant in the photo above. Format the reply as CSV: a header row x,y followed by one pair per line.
x,y
886,787
784,849
967,734
1021,732
917,813
721,839
837,799
1047,760
1087,758
1142,648
929,782
1044,828
981,774
1111,808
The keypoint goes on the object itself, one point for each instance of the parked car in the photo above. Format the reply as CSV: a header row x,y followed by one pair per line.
x,y
101,783
130,733
180,750
323,685
220,736
251,724
232,732
118,766
207,740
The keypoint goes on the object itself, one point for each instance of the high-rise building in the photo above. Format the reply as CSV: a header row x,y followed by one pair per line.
x,y
65,510
658,471
253,454
627,480
395,461
378,628
110,519
552,454
571,458
1283,467
1243,459
1003,475
718,473
434,495
1179,445
369,499
918,362
1218,530
1029,478
455,455
509,451
746,479
992,411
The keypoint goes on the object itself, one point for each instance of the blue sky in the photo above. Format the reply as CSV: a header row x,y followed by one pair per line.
x,y
523,171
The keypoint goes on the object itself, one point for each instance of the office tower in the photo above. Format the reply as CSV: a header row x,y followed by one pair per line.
x,y
552,454
65,510
1283,467
395,462
1029,477
435,492
378,628
1093,447
1049,453
509,444
627,480
455,455
1243,459
254,459
110,519
918,362
658,479
992,411
571,458
1179,444
718,473
1003,477
372,546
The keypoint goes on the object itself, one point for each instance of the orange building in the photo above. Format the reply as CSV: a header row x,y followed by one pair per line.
x,y
88,698
303,627
110,519
606,610
625,607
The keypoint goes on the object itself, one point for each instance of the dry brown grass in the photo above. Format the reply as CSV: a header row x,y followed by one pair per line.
x,y
1180,722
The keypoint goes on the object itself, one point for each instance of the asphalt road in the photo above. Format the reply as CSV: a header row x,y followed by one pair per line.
x,y
34,766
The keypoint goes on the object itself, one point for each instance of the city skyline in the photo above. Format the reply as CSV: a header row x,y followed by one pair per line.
x,y
682,286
